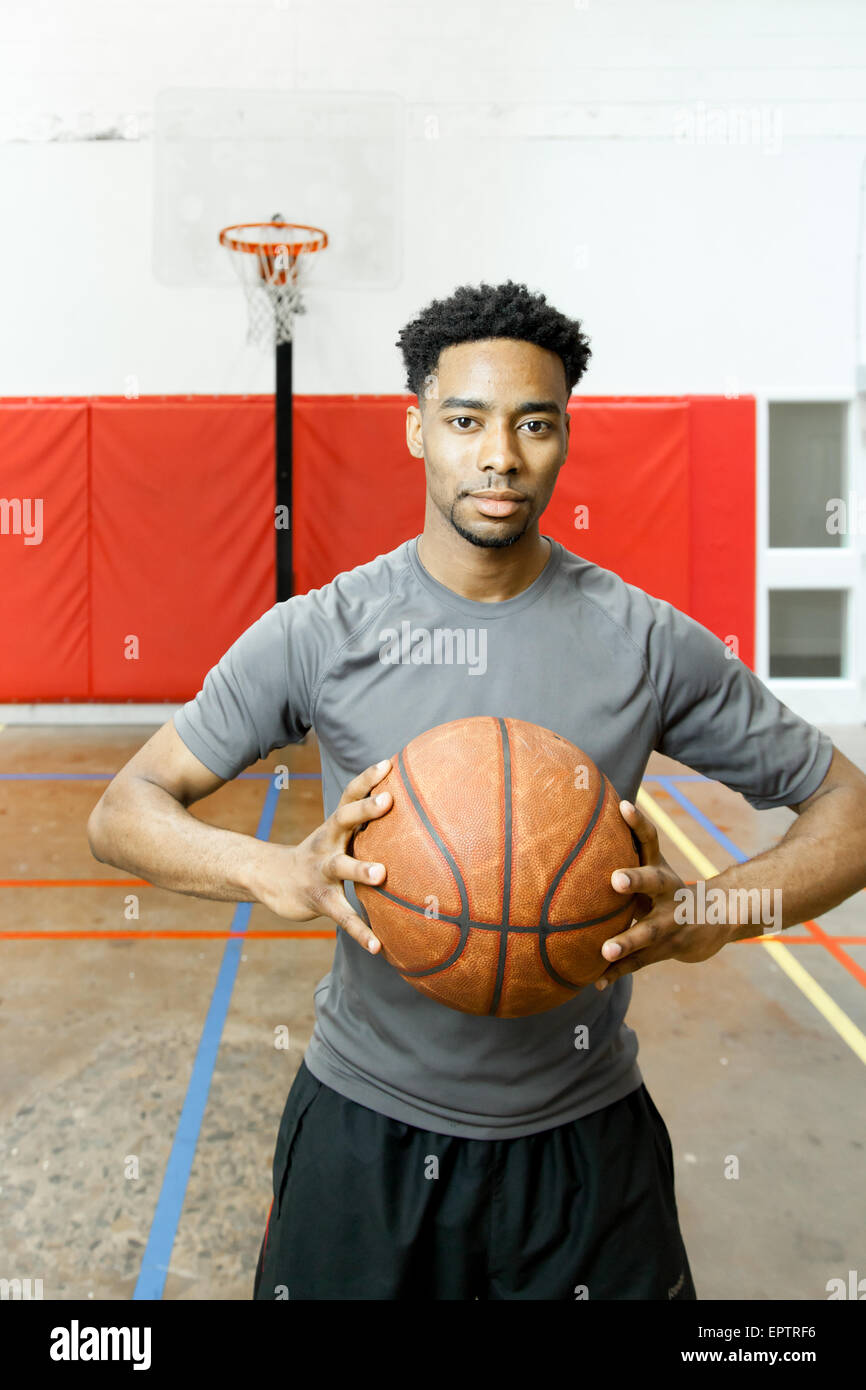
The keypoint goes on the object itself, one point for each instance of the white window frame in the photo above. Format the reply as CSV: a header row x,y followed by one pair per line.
x,y
822,700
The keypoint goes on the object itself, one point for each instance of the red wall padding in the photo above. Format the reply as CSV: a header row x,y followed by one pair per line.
x,y
630,467
182,508
44,587
158,545
723,520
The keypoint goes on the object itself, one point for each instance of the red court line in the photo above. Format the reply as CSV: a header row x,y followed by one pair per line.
x,y
817,936
820,938
830,943
127,935
811,941
131,935
76,883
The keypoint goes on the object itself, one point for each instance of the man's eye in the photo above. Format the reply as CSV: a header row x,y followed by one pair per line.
x,y
467,419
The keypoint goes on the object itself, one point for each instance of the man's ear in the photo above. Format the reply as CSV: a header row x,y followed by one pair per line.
x,y
414,422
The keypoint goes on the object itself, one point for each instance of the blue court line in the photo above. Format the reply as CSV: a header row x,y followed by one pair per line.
x,y
163,1230
107,776
688,805
260,777
166,1218
675,777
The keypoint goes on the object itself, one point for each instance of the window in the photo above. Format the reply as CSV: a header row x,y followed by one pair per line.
x,y
807,629
807,469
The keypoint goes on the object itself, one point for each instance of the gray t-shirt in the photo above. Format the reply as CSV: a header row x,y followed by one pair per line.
x,y
364,661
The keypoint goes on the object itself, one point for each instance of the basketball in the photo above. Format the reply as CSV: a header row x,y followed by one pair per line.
x,y
499,847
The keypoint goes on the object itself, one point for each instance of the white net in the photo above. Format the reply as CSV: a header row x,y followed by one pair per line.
x,y
272,273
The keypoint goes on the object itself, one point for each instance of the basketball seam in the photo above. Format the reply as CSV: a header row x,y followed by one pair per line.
x,y
464,921
437,839
505,749
544,925
476,924
574,852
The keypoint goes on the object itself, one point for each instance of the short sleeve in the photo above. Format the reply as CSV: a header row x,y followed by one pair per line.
x,y
255,699
717,717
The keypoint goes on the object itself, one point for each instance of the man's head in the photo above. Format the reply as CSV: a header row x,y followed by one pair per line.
x,y
493,368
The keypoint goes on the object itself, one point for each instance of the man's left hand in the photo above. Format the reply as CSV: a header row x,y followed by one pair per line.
x,y
655,934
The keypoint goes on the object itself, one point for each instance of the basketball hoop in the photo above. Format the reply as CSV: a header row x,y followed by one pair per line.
x,y
273,261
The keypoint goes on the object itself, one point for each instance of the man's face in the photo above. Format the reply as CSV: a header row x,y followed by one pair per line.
x,y
492,421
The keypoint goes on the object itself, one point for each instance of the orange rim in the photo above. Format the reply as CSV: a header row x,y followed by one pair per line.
x,y
267,248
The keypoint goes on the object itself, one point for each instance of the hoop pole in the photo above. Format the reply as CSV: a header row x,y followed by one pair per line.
x,y
284,490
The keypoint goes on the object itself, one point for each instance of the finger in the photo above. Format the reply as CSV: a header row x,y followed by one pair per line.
x,y
333,903
342,866
645,830
648,955
363,784
634,962
634,938
651,879
349,815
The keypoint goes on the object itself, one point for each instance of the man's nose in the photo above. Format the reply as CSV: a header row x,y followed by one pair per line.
x,y
497,450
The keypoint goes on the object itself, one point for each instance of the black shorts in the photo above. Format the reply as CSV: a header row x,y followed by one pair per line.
x,y
366,1207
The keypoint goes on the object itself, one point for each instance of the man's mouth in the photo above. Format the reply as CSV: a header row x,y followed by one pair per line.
x,y
497,503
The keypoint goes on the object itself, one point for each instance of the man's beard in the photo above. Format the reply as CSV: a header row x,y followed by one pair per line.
x,y
492,542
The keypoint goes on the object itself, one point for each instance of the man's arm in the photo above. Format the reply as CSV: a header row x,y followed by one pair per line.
x,y
821,860
819,863
141,824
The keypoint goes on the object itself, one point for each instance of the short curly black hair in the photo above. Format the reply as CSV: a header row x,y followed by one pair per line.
x,y
476,312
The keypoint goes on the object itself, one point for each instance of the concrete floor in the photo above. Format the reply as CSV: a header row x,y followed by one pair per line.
x,y
98,1038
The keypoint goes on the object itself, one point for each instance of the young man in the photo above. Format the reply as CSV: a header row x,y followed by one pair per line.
x,y
425,1153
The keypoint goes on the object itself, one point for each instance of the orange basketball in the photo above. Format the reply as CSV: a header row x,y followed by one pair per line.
x,y
499,848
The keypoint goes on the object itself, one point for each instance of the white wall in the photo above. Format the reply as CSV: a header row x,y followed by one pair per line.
x,y
683,178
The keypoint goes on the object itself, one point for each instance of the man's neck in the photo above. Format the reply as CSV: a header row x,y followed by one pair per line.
x,y
484,574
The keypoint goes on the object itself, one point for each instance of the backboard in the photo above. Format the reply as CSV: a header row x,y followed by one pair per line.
x,y
330,159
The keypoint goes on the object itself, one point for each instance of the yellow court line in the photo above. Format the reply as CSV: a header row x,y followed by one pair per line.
x,y
647,804
782,955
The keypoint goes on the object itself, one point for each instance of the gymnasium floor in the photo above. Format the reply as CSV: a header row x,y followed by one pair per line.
x,y
139,1048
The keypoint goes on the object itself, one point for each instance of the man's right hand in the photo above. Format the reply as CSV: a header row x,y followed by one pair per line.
x,y
304,881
